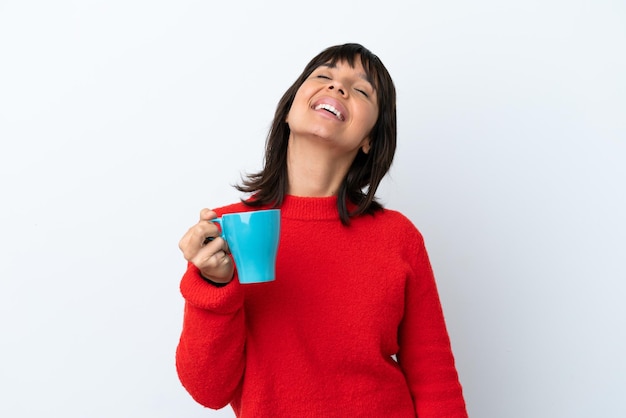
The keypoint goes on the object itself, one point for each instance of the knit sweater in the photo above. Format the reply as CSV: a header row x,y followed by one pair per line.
x,y
352,326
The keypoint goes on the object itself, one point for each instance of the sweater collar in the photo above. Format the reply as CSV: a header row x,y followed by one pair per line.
x,y
310,208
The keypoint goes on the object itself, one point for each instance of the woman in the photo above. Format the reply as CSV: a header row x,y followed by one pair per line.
x,y
354,289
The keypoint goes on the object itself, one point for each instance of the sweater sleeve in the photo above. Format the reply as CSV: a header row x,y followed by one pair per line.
x,y
425,353
210,354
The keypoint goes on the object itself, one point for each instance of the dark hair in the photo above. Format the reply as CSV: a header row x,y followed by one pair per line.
x,y
367,170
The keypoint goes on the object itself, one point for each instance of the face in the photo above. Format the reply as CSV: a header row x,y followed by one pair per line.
x,y
336,104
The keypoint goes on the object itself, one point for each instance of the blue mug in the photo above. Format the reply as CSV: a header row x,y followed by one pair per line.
x,y
252,238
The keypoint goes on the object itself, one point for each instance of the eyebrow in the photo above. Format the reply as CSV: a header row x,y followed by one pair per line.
x,y
364,76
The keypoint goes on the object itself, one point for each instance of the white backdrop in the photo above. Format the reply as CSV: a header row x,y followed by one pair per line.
x,y
120,120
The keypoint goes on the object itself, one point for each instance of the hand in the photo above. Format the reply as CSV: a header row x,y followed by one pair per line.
x,y
204,248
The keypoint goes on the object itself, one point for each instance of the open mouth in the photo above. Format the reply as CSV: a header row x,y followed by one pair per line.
x,y
330,109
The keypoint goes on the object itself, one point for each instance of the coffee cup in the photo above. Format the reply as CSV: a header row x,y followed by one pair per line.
x,y
252,238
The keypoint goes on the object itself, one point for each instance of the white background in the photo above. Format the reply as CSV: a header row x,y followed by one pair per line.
x,y
120,120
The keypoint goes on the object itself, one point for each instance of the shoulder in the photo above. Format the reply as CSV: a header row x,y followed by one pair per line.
x,y
400,235
392,227
397,221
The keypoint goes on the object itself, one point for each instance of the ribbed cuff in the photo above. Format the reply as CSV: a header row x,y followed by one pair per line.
x,y
204,295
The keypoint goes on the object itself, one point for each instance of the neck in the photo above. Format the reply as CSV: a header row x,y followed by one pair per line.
x,y
313,170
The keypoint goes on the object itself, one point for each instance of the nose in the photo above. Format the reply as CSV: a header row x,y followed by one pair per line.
x,y
339,88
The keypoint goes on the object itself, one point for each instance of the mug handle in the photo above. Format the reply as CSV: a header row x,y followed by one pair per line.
x,y
219,222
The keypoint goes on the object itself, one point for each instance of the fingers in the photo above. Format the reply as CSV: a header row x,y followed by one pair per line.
x,y
196,238
211,256
207,215
202,246
214,261
226,248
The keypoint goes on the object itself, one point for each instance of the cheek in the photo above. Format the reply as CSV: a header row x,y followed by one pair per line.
x,y
293,115
297,107
370,118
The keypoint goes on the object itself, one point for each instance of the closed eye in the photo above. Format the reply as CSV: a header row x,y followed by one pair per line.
x,y
364,93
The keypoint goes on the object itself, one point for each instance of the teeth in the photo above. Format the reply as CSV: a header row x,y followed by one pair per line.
x,y
330,109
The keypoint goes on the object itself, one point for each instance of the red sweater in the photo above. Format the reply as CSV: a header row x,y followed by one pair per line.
x,y
320,340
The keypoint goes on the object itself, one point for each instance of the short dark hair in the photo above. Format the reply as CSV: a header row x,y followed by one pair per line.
x,y
359,186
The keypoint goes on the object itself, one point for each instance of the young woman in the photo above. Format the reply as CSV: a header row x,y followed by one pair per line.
x,y
352,326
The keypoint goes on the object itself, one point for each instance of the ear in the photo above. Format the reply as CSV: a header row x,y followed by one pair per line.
x,y
365,146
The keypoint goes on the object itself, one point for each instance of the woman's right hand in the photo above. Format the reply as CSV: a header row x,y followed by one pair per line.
x,y
204,248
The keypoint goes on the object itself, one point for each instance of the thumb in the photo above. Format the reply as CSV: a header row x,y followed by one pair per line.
x,y
207,214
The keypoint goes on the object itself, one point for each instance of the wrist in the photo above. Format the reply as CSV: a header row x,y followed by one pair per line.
x,y
214,281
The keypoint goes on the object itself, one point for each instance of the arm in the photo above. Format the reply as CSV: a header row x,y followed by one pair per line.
x,y
425,353
210,354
